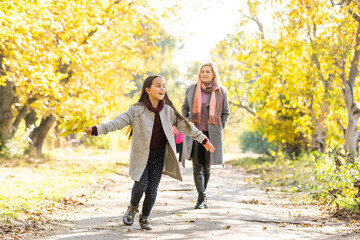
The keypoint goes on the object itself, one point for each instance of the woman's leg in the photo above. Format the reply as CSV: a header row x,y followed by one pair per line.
x,y
201,171
198,172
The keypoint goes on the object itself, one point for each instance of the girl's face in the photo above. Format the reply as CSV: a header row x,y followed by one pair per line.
x,y
157,89
206,74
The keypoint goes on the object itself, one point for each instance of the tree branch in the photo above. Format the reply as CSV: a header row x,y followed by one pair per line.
x,y
343,129
243,107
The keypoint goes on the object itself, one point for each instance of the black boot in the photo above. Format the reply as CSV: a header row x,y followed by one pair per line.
x,y
145,222
200,187
201,202
129,216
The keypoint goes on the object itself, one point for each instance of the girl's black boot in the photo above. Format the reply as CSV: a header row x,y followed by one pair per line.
x,y
145,222
129,216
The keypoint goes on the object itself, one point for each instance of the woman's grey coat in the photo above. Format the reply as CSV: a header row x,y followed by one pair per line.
x,y
142,121
215,132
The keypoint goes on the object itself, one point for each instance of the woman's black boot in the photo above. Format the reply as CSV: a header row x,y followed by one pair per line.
x,y
145,222
201,202
200,187
129,216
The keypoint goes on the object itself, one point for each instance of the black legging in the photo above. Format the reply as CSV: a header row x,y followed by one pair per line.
x,y
149,182
201,165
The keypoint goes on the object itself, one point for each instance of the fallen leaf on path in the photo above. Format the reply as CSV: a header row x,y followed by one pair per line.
x,y
264,228
227,227
126,230
179,215
24,210
180,197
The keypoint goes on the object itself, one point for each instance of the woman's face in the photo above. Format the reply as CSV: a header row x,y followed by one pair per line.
x,y
206,74
157,89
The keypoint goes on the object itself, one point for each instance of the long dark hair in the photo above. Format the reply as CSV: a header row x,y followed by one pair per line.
x,y
144,96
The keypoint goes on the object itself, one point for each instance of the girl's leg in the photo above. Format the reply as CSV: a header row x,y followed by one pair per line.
x,y
137,192
155,164
139,187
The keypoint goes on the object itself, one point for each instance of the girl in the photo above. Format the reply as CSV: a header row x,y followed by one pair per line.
x,y
153,146
206,105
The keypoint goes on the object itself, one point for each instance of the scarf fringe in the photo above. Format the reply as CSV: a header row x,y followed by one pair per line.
x,y
214,120
196,117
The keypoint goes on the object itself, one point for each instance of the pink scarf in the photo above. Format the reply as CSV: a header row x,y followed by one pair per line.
x,y
216,102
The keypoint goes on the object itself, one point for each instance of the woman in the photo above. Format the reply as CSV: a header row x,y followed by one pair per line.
x,y
205,105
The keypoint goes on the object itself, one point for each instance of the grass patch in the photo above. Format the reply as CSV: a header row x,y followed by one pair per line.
x,y
28,184
287,176
329,180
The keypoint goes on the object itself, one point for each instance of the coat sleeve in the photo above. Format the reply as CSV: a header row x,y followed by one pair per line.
x,y
225,110
193,132
185,108
117,123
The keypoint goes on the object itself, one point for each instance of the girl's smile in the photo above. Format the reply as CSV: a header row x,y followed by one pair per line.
x,y
156,91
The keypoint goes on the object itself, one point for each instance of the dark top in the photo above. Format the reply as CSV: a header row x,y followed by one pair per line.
x,y
158,137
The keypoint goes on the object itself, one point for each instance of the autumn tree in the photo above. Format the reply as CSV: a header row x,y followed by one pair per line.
x,y
290,80
61,56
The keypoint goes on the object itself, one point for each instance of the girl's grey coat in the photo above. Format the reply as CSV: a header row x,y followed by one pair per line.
x,y
142,121
215,132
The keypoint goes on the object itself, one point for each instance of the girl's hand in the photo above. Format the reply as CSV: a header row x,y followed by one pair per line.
x,y
88,131
209,147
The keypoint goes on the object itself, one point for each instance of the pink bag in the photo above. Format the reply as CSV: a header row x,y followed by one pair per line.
x,y
179,138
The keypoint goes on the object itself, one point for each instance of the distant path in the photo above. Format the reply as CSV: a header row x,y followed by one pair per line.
x,y
237,210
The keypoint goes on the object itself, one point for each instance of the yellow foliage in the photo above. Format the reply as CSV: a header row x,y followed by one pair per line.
x,y
77,124
291,79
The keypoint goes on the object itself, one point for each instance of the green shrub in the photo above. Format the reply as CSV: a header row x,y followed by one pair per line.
x,y
253,141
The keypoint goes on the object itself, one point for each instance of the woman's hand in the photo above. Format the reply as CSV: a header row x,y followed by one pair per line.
x,y
88,131
209,147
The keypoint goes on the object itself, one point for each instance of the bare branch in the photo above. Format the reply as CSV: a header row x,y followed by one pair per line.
x,y
343,129
258,23
243,107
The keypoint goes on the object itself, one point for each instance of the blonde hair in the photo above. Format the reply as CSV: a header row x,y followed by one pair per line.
x,y
214,70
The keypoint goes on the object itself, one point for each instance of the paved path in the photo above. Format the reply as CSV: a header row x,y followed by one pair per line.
x,y
237,210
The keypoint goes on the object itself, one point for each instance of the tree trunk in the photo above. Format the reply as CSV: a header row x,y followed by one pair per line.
x,y
351,133
57,143
7,99
318,141
23,113
38,136
30,118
